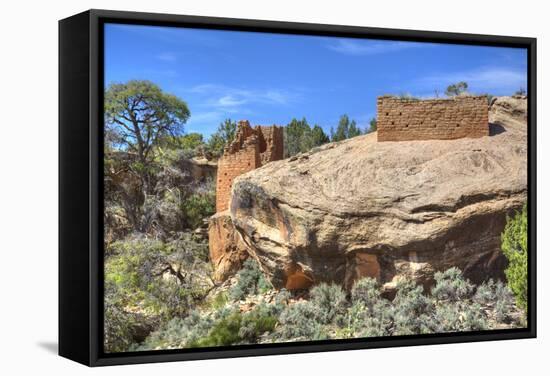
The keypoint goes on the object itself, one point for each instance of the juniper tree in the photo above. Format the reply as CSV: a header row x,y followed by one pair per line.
x,y
138,114
456,89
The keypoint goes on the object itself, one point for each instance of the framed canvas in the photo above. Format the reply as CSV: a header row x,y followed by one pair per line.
x,y
234,187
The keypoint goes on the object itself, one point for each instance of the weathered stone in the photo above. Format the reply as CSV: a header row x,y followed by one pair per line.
x,y
202,169
361,265
251,148
227,251
387,209
431,119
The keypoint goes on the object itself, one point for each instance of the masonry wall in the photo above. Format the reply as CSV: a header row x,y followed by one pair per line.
x,y
271,143
432,119
251,148
232,165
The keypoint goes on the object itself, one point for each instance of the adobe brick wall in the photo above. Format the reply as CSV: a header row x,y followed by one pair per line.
x,y
251,148
433,119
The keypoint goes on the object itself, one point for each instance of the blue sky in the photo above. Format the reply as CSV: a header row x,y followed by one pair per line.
x,y
271,78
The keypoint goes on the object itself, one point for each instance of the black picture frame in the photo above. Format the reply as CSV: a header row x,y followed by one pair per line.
x,y
80,185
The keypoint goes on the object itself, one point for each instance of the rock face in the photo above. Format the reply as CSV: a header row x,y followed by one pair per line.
x,y
202,169
251,148
386,209
227,251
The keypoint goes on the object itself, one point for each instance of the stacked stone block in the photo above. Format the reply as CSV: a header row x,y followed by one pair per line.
x,y
251,148
433,119
271,143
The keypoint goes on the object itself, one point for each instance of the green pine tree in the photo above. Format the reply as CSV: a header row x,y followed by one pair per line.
x,y
318,136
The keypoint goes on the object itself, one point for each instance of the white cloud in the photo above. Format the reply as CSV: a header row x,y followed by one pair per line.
x,y
224,97
230,101
203,89
215,103
367,47
275,96
207,121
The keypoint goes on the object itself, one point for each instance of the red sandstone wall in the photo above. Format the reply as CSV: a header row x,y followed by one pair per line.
x,y
252,148
227,250
271,143
232,165
432,119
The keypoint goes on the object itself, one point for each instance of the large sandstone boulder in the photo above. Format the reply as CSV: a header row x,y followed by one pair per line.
x,y
227,250
386,210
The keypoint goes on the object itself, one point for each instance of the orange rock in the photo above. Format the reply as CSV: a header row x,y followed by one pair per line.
x,y
362,265
297,279
251,148
227,250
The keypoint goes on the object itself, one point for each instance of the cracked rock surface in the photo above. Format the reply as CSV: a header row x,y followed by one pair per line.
x,y
386,209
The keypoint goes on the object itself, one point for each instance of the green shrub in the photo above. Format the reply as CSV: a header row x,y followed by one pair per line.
x,y
299,321
281,299
178,333
379,322
459,88
514,247
118,324
446,318
149,273
361,321
485,293
198,206
330,301
234,327
354,320
450,285
220,300
458,316
327,314
306,320
457,308
370,315
257,322
411,309
225,332
504,302
408,96
366,291
497,295
474,317
250,281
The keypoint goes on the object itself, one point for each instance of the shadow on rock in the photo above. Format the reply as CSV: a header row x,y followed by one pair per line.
x,y
495,129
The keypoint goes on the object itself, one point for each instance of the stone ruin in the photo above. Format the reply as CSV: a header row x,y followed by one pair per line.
x,y
251,148
432,119
397,120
